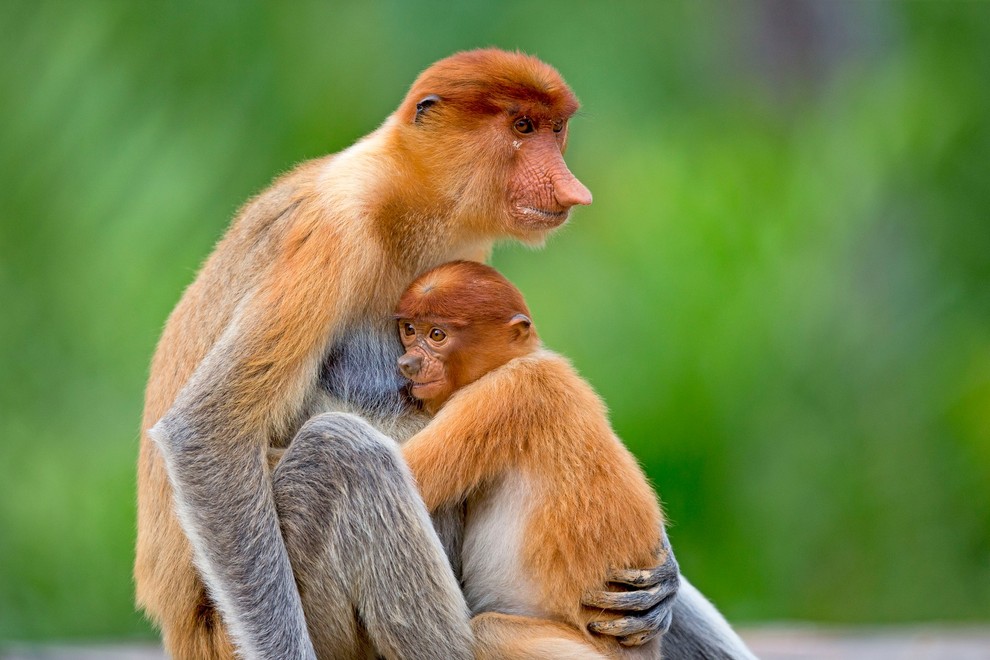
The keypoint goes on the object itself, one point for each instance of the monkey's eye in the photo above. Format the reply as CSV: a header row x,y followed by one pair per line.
x,y
408,330
523,125
558,126
437,335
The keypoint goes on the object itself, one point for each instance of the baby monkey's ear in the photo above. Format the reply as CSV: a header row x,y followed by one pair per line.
x,y
521,324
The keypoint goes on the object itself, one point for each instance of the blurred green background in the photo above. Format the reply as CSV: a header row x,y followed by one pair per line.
x,y
782,288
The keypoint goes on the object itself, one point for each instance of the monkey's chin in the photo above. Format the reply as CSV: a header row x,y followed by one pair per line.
x,y
532,229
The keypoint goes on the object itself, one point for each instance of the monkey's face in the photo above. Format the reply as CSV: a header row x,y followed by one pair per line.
x,y
440,359
489,129
430,361
509,167
540,190
457,322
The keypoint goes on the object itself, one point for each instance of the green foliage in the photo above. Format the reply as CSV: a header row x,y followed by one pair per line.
x,y
782,289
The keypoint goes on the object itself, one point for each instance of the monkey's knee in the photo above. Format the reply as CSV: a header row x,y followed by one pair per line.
x,y
337,445
338,465
335,424
352,520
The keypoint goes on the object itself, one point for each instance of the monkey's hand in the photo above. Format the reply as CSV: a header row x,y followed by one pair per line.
x,y
643,599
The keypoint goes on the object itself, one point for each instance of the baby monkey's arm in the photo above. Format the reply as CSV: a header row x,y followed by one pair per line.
x,y
470,441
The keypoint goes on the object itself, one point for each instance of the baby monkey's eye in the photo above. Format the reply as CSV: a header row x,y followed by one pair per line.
x,y
408,330
523,125
437,335
558,126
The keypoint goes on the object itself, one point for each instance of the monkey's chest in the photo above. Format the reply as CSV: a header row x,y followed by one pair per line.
x,y
492,572
360,371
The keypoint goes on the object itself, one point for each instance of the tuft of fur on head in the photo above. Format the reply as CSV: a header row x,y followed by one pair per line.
x,y
479,83
460,293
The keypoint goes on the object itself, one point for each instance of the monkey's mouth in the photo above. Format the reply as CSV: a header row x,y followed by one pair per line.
x,y
425,383
545,215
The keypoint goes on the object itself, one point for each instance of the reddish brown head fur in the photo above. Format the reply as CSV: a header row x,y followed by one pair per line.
x,y
478,83
458,322
461,293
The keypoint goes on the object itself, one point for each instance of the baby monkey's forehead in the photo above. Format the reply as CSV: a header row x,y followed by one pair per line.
x,y
435,321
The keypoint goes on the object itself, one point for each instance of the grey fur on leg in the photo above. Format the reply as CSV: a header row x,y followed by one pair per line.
x,y
699,632
365,555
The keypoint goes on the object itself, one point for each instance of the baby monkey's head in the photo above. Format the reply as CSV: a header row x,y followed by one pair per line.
x,y
457,322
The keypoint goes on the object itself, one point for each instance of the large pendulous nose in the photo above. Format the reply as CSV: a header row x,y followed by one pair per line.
x,y
571,192
410,365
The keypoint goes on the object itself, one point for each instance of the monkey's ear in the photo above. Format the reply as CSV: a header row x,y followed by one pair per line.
x,y
424,104
522,325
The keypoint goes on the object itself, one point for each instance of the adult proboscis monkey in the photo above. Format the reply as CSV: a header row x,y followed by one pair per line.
x,y
272,523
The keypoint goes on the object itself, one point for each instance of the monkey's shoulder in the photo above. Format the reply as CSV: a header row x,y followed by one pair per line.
x,y
537,385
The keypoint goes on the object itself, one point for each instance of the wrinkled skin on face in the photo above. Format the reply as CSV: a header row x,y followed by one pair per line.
x,y
441,358
428,362
457,322
541,188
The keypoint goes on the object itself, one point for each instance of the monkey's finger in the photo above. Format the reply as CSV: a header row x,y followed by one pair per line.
x,y
663,625
646,577
636,601
627,626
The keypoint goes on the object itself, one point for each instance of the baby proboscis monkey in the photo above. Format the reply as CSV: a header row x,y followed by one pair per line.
x,y
554,499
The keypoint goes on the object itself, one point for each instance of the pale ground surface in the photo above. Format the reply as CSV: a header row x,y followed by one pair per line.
x,y
881,643
770,642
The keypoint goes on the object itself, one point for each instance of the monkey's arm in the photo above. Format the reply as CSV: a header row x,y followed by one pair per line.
x,y
465,444
215,437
